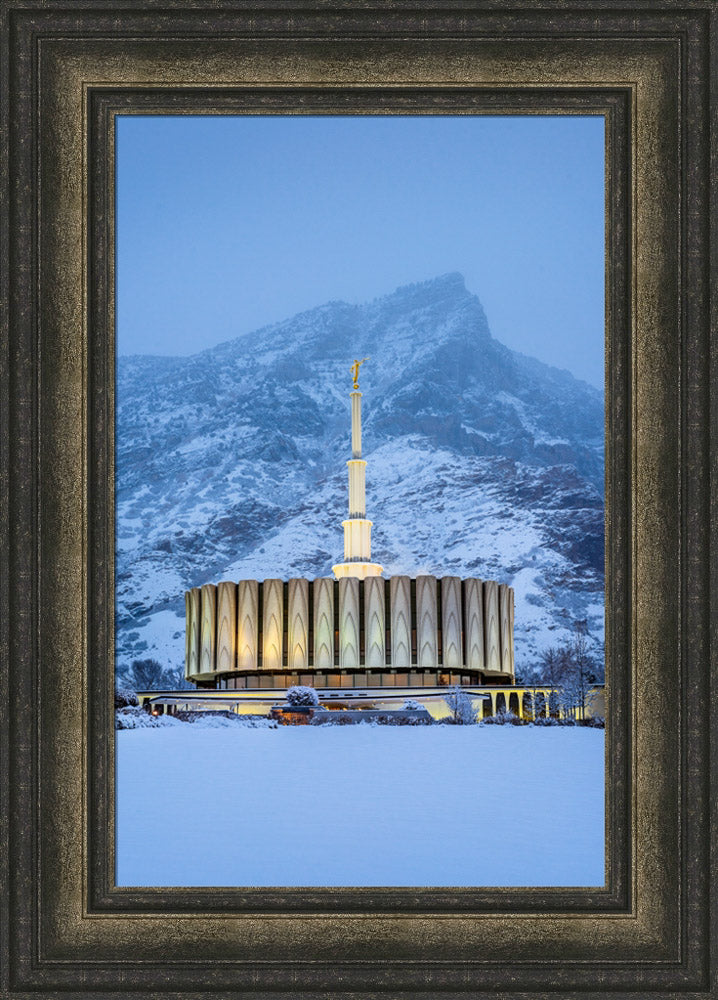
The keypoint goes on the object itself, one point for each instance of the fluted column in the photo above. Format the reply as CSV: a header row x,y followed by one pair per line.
x,y
208,639
505,628
323,623
272,624
451,622
492,636
226,626
193,626
400,610
298,624
426,622
374,625
247,624
474,623
349,622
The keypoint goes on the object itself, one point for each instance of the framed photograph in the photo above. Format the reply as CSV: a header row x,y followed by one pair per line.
x,y
468,589
74,78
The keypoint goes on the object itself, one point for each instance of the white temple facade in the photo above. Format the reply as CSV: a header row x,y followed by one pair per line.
x,y
426,629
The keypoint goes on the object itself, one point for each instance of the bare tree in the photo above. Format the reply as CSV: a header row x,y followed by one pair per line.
x,y
575,672
583,665
551,666
145,675
150,675
569,670
173,677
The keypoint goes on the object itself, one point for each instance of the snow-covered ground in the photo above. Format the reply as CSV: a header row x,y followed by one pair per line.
x,y
360,805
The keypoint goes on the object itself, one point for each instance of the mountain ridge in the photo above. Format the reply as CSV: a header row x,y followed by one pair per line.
x,y
481,461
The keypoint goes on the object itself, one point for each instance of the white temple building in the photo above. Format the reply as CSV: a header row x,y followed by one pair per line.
x,y
357,637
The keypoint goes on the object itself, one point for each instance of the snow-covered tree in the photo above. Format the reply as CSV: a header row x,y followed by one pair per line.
x,y
146,675
300,695
461,706
150,675
569,670
550,667
584,667
174,678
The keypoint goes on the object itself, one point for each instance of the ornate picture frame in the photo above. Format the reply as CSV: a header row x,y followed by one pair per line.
x,y
69,67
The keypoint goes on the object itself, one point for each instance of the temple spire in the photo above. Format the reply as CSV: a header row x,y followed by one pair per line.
x,y
357,529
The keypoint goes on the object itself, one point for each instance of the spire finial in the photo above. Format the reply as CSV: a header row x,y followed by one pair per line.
x,y
355,371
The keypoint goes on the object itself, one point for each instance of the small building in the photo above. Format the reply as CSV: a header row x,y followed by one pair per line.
x,y
525,702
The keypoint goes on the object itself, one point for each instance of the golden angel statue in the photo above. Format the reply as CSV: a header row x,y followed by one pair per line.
x,y
355,371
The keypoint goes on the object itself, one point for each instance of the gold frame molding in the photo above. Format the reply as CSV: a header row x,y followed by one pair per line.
x,y
69,67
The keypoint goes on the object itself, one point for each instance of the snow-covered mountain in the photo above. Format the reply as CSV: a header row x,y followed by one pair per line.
x,y
481,462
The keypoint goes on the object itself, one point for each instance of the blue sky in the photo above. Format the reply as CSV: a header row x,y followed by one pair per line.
x,y
229,223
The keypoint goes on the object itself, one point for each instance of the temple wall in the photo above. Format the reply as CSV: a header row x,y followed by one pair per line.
x,y
304,625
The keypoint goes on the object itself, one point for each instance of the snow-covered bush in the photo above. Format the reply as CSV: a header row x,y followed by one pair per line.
x,y
136,718
232,721
595,722
336,719
125,697
503,718
412,705
461,706
302,696
257,722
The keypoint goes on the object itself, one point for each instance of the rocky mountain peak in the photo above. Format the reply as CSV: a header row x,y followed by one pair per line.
x,y
481,462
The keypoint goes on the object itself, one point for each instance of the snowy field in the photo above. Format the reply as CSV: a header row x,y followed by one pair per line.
x,y
360,805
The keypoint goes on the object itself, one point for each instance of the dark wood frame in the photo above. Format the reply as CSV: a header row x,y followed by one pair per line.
x,y
67,68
